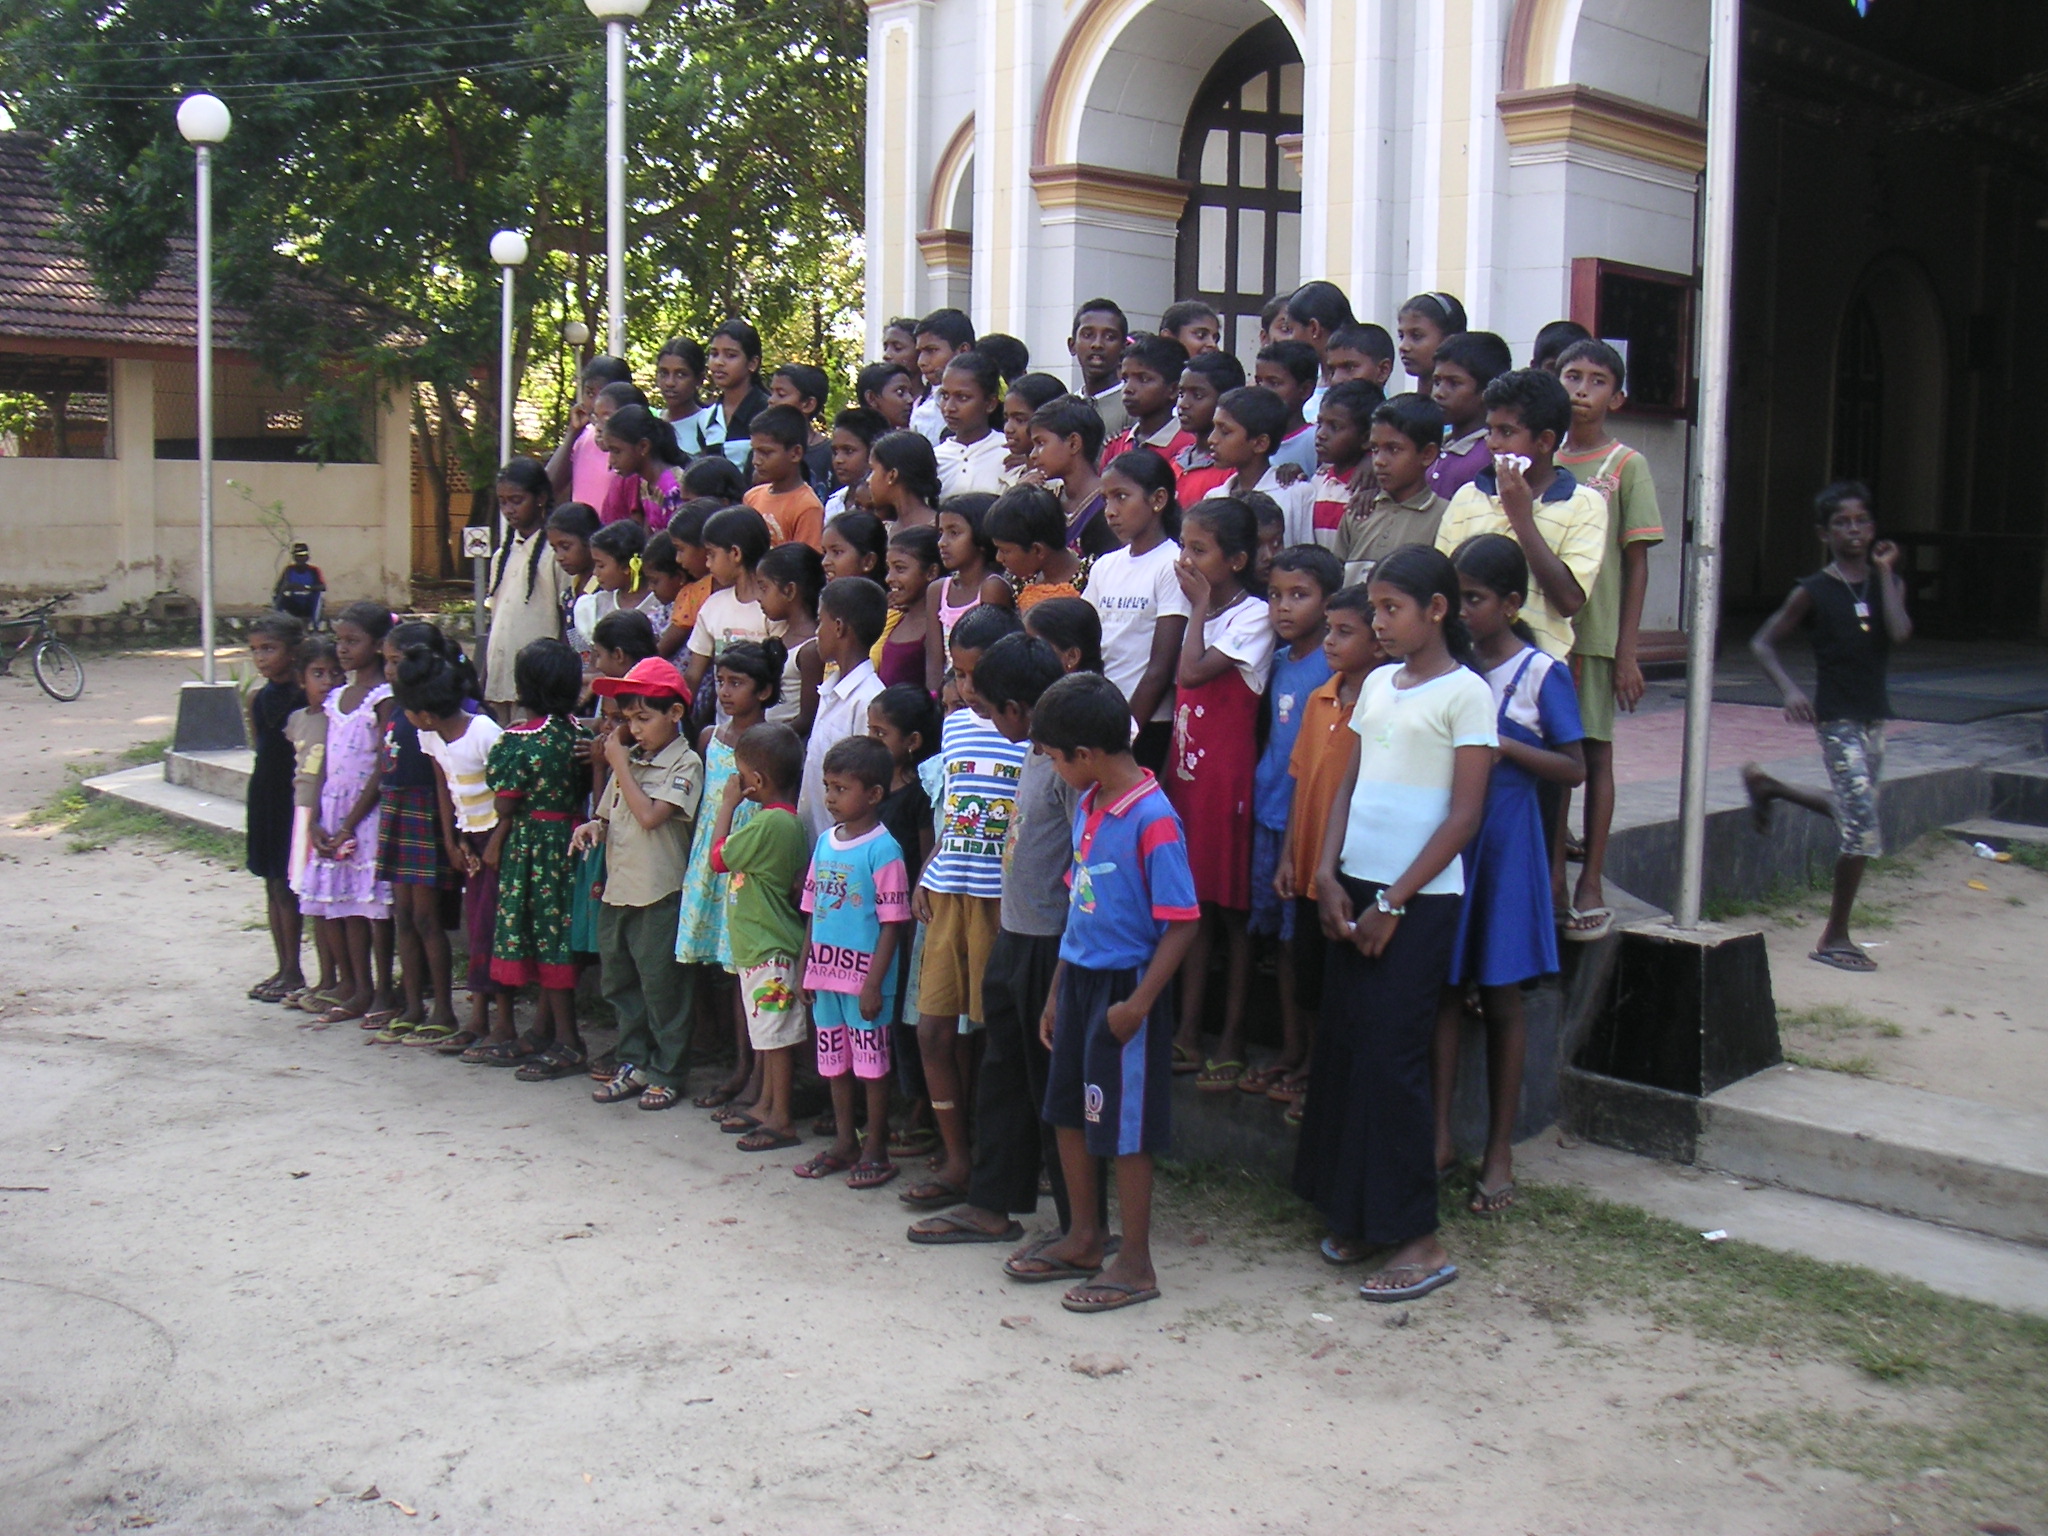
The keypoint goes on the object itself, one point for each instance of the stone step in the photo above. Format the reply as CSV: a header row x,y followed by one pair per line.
x,y
1998,834
1918,1154
2019,792
225,774
147,786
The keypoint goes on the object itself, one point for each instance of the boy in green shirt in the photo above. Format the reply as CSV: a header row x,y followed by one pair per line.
x,y
767,859
1604,631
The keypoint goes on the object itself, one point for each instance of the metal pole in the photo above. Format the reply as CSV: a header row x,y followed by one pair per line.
x,y
204,156
615,187
1717,284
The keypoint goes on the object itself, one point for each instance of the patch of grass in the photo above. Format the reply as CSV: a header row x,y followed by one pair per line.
x,y
144,752
1852,1066
1833,1020
96,823
2031,855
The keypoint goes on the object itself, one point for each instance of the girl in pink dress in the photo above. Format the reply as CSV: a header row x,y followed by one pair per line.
x,y
1209,768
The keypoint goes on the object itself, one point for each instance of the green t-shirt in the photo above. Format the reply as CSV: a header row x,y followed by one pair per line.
x,y
768,858
1623,476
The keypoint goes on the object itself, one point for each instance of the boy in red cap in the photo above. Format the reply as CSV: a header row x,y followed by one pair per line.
x,y
644,819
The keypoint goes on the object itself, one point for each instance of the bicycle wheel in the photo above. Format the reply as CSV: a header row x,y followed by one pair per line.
x,y
60,672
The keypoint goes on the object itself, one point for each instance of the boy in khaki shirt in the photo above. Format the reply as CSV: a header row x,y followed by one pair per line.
x,y
644,819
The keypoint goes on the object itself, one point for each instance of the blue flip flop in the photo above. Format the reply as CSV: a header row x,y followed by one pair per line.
x,y
1430,1280
1333,1253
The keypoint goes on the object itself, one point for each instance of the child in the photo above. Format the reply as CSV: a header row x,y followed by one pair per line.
x,y
1314,313
959,895
854,432
749,683
570,530
459,744
1138,598
412,852
1506,935
732,359
532,771
1013,1147
1097,346
274,641
1855,608
890,390
320,674
677,576
1421,327
300,588
1393,506
644,454
904,720
1272,539
678,379
716,478
972,578
899,656
578,470
1009,354
1150,371
1343,430
781,494
1553,340
1320,758
1463,367
788,582
1388,882
851,613
1304,579
734,542
618,565
1291,370
1072,629
942,336
899,344
1203,384
340,882
1066,443
1222,674
1029,530
1364,352
970,455
903,480
527,590
1194,325
1560,524
857,544
766,859
1271,314
806,390
1021,401
644,819
1248,425
858,895
1107,1022
1605,631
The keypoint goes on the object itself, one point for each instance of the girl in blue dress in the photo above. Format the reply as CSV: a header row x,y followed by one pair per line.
x,y
1507,931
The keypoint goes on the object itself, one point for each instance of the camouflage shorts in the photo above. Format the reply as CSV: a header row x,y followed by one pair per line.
x,y
1854,753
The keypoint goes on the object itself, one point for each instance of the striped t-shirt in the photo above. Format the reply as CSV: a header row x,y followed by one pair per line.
x,y
975,806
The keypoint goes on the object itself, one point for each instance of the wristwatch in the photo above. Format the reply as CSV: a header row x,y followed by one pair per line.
x,y
1380,901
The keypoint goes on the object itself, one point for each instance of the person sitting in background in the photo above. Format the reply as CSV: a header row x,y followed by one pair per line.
x,y
300,589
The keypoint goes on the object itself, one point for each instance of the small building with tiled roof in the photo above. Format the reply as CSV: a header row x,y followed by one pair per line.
x,y
99,440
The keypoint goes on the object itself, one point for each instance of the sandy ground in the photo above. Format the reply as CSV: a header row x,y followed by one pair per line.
x,y
258,1271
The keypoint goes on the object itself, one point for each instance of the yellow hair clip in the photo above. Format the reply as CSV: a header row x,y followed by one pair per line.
x,y
633,565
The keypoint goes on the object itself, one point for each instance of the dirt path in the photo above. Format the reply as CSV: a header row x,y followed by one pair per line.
x,y
258,1271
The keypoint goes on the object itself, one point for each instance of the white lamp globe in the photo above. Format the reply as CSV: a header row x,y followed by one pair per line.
x,y
508,248
203,119
616,10
575,333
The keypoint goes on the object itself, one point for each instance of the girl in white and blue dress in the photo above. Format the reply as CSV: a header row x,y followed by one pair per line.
x,y
1507,930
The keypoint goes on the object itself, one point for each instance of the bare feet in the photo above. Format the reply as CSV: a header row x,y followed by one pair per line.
x,y
1763,789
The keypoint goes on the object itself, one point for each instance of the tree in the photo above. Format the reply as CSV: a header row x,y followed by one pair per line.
x,y
376,150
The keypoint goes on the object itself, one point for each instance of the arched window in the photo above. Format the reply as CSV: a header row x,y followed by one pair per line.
x,y
1859,396
1240,239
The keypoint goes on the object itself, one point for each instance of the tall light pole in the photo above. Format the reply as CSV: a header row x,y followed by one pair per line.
x,y
204,120
508,250
615,14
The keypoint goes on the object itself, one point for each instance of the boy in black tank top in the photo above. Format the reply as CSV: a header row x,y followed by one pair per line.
x,y
1854,608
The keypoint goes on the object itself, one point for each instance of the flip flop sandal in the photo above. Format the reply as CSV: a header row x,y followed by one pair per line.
x,y
739,1123
1219,1076
1427,1280
457,1043
1185,1061
397,1032
1287,1090
1603,924
269,992
1296,1112
1122,1296
762,1139
931,1196
717,1098
1055,1269
431,1034
510,1053
1256,1080
821,1165
1497,1201
1845,960
379,1018
871,1175
1336,1253
554,1062
959,1230
658,1097
604,1068
912,1143
340,1013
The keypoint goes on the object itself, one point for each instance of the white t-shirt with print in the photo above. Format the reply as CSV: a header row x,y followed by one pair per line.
x,y
1131,594
463,762
724,619
1244,633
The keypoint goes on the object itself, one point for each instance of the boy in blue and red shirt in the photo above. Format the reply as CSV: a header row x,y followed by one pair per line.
x,y
1109,1023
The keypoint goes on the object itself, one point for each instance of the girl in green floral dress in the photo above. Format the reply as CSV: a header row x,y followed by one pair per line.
x,y
539,787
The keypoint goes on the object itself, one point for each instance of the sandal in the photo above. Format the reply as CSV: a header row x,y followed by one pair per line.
x,y
381,1018
1295,1112
931,1195
1119,1297
821,1165
738,1123
766,1139
556,1061
1497,1201
626,1083
717,1098
1219,1076
604,1068
505,1053
1426,1280
871,1175
1047,1269
431,1034
1599,923
658,1097
396,1032
957,1229
1186,1061
913,1141
1845,959
458,1043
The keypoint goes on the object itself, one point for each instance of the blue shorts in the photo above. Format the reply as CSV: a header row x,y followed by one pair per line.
x,y
831,1010
1118,1095
1270,915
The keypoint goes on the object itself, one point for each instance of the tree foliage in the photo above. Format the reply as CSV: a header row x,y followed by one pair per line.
x,y
376,148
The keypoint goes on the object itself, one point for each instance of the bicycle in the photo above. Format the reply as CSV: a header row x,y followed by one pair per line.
x,y
58,671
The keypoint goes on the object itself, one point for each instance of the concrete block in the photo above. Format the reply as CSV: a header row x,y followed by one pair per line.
x,y
209,718
1998,834
223,774
2019,792
146,786
1691,1010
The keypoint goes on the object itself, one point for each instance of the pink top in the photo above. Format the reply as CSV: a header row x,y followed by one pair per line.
x,y
949,615
590,472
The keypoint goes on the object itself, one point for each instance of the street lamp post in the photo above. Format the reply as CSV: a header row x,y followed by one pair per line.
x,y
204,120
508,250
616,15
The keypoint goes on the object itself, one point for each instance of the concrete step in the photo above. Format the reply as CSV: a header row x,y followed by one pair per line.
x,y
147,786
1998,834
2019,792
225,774
1918,1154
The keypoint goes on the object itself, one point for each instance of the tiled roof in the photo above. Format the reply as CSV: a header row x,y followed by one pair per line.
x,y
47,291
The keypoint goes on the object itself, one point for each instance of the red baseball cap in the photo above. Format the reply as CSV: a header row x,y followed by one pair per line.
x,y
653,678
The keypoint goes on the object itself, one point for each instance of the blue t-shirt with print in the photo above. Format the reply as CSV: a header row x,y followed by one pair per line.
x,y
1287,691
1129,879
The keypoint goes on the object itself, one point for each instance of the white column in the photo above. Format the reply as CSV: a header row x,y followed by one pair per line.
x,y
895,189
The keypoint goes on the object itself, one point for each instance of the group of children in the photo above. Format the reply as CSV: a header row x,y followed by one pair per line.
x,y
947,755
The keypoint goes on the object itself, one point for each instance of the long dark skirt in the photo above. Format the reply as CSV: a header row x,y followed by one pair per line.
x,y
1367,1157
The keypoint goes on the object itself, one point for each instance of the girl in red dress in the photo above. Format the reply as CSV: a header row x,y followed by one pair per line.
x,y
1223,662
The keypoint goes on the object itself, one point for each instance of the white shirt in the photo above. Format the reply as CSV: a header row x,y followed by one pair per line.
x,y
463,762
1408,742
1131,594
965,467
842,712
1244,633
926,417
724,619
1297,508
